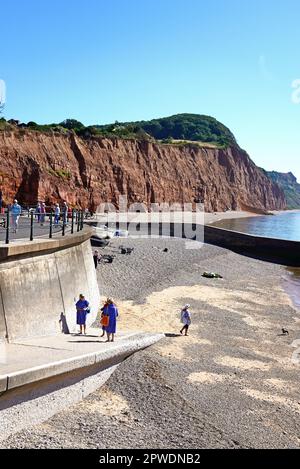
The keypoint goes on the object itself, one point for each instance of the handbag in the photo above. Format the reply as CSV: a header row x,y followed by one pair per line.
x,y
104,321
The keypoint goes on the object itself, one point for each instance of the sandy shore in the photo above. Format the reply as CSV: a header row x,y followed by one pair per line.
x,y
230,215
207,217
230,384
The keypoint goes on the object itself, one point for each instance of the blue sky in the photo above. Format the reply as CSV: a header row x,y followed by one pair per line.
x,y
99,61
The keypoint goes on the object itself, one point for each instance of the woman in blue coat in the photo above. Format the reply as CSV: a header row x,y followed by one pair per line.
x,y
111,311
82,307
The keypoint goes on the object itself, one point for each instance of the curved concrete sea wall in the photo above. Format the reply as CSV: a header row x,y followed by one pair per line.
x,y
40,281
270,249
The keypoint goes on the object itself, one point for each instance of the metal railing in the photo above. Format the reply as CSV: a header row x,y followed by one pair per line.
x,y
39,225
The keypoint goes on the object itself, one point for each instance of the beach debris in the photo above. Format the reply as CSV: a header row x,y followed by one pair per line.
x,y
166,250
124,250
285,331
107,258
211,275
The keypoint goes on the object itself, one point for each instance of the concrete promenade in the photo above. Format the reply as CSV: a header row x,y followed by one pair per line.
x,y
23,232
30,360
40,377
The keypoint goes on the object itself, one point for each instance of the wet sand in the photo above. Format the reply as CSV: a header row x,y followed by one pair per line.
x,y
232,383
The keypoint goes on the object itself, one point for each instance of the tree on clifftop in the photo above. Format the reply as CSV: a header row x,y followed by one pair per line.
x,y
71,124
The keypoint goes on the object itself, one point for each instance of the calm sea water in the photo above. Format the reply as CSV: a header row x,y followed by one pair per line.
x,y
285,225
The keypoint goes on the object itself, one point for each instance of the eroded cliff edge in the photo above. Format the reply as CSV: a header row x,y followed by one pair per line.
x,y
54,167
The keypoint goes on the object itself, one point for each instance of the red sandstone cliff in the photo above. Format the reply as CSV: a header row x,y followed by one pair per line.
x,y
53,167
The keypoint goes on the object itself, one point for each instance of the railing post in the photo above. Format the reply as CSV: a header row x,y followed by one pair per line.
x,y
7,227
31,226
72,226
82,219
64,225
51,224
78,220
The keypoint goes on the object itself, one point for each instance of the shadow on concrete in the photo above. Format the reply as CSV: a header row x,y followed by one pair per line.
x,y
82,335
64,324
86,341
172,335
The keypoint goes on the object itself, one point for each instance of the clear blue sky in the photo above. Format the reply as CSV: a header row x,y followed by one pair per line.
x,y
99,61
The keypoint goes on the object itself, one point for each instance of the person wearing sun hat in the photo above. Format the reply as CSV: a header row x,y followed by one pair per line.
x,y
185,319
111,310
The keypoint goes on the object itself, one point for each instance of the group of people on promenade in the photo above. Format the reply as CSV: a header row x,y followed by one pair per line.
x,y
40,213
59,212
110,313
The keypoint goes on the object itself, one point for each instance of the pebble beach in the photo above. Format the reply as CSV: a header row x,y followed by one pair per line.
x,y
231,383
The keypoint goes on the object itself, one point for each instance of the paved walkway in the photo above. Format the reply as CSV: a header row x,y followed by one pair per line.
x,y
29,360
38,230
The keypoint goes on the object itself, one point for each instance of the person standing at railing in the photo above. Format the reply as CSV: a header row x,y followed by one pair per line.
x,y
56,214
15,212
38,212
43,213
65,213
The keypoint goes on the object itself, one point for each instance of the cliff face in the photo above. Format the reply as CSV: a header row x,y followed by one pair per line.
x,y
290,186
53,167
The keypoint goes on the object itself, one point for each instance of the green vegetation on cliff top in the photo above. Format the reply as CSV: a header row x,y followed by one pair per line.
x,y
179,129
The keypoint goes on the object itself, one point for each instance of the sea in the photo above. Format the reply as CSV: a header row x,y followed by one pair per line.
x,y
283,225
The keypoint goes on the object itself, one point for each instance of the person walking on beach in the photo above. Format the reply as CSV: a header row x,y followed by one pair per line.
x,y
111,311
56,214
185,319
96,258
15,215
82,307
